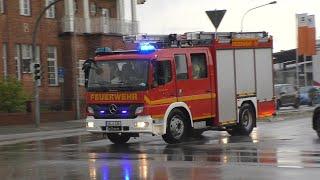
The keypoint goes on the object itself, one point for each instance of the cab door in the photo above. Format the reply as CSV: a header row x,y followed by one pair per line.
x,y
163,88
193,83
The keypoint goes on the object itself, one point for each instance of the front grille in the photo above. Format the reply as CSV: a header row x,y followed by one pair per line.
x,y
115,111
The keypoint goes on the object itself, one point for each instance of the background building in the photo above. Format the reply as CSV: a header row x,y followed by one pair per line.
x,y
286,72
69,33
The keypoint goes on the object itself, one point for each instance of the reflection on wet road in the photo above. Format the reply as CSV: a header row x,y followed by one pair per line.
x,y
275,150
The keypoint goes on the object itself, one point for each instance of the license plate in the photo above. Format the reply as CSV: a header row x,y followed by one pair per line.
x,y
113,123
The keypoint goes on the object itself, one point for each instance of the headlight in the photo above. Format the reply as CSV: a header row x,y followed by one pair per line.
x,y
141,124
90,124
139,110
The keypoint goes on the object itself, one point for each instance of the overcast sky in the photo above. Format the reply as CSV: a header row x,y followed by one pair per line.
x,y
179,16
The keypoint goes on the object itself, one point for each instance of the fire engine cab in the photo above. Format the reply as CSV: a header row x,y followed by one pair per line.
x,y
179,86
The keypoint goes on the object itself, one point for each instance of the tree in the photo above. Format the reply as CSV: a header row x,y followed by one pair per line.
x,y
12,96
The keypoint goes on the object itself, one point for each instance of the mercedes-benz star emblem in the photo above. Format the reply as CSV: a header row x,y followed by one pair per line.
x,y
113,108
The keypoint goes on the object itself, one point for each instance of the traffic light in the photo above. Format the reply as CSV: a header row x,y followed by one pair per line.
x,y
37,71
141,1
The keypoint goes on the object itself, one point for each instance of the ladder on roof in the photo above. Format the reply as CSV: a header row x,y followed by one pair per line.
x,y
190,39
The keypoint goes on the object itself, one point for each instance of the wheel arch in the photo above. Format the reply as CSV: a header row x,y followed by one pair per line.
x,y
253,103
182,107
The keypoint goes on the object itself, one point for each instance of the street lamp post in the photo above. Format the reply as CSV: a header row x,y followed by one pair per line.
x,y
36,88
273,2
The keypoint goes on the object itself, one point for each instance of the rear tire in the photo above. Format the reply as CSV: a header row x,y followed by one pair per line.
x,y
177,127
311,103
118,138
296,105
278,105
246,122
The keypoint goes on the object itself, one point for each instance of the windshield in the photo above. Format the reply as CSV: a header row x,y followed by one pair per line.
x,y
118,75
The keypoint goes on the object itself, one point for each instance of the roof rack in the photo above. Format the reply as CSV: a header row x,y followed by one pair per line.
x,y
198,38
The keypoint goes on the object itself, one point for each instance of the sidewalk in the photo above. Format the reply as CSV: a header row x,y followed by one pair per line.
x,y
23,133
52,126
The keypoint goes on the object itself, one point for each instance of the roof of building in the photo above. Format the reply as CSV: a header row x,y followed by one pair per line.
x,y
284,56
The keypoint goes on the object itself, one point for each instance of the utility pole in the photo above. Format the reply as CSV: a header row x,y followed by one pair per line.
x,y
36,81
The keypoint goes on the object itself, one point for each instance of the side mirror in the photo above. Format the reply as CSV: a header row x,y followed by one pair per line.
x,y
86,69
282,93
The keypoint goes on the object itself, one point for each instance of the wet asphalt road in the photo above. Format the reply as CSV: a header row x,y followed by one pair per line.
x,y
286,149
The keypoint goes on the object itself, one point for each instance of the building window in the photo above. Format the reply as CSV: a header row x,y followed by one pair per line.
x,y
24,59
4,58
51,12
75,6
18,62
1,6
26,52
81,73
93,8
52,66
25,8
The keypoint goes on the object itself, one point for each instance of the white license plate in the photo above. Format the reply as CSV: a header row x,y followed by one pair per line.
x,y
113,123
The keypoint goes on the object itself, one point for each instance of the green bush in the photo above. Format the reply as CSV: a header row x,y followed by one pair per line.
x,y
12,96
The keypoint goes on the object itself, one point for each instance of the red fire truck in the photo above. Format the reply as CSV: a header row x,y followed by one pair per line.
x,y
178,86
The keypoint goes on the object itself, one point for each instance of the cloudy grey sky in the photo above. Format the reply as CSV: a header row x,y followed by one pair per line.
x,y
179,16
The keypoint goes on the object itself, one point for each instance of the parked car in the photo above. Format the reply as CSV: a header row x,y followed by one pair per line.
x,y
309,95
316,120
286,95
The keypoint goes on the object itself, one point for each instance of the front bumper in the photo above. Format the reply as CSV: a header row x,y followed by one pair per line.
x,y
155,127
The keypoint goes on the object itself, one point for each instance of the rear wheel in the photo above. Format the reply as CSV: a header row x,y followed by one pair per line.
x,y
312,103
120,138
278,105
246,122
177,127
297,104
316,121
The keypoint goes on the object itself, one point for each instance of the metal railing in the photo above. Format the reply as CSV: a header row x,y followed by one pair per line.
x,y
103,25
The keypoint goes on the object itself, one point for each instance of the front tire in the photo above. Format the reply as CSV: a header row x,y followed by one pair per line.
x,y
118,138
177,127
246,122
297,104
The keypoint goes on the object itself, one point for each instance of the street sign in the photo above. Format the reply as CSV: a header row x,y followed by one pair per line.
x,y
61,74
216,17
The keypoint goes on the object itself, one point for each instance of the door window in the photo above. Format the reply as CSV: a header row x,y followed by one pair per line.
x,y
181,66
162,72
199,66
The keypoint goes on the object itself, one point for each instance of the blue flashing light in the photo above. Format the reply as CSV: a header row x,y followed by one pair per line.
x,y
146,48
124,111
102,112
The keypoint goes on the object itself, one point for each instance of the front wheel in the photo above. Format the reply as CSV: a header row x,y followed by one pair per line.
x,y
297,104
246,122
118,138
177,127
